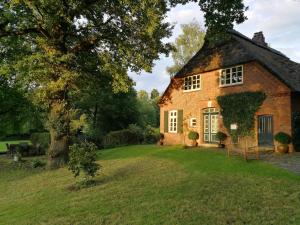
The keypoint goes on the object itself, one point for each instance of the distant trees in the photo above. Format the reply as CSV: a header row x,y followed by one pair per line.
x,y
148,109
186,45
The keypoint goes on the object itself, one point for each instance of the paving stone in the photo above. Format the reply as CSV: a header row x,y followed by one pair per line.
x,y
287,161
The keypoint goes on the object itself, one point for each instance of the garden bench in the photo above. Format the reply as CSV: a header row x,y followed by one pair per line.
x,y
243,149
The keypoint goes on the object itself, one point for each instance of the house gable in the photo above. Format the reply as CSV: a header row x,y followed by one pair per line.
x,y
238,50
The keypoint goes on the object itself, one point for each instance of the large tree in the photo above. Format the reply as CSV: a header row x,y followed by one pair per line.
x,y
61,38
186,45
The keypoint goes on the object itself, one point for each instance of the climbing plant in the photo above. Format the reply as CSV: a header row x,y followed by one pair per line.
x,y
240,108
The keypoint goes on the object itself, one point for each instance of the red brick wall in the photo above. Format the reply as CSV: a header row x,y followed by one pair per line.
x,y
256,78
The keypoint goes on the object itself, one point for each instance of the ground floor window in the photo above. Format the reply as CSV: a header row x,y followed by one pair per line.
x,y
173,121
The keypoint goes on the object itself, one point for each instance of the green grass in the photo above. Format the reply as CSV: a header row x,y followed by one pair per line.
x,y
153,185
3,144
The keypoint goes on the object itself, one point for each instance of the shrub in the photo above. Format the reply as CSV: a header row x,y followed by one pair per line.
x,y
193,135
37,163
283,138
82,158
221,136
152,135
119,138
137,133
41,140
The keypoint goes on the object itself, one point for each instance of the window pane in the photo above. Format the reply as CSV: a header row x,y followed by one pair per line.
x,y
234,78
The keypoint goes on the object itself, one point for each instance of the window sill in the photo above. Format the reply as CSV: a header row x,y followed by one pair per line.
x,y
184,91
230,85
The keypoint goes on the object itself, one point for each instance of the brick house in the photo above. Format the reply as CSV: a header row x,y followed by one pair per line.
x,y
238,65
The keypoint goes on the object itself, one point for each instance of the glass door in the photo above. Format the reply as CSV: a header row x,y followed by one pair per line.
x,y
210,125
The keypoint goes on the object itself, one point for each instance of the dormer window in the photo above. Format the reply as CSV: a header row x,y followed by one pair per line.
x,y
231,76
192,83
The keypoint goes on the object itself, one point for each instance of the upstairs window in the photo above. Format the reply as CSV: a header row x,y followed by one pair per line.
x,y
192,83
231,76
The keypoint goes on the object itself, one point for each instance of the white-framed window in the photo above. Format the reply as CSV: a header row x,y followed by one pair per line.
x,y
173,121
193,122
231,76
192,83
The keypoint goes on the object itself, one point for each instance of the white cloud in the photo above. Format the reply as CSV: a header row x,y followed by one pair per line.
x,y
279,20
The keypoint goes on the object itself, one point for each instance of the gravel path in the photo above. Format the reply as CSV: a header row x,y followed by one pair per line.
x,y
287,161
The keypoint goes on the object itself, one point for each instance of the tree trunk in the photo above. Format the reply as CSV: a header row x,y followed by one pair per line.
x,y
60,137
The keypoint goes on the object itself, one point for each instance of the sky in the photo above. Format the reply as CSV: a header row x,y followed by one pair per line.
x,y
278,19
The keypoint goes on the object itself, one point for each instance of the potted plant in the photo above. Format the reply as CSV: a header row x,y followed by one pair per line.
x,y
193,135
161,139
221,137
284,139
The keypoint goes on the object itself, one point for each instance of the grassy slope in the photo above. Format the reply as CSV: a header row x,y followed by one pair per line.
x,y
3,144
152,185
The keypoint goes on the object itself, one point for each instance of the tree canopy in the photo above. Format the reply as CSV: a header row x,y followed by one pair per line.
x,y
186,45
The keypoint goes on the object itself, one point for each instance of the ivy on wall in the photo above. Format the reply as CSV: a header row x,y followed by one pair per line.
x,y
240,109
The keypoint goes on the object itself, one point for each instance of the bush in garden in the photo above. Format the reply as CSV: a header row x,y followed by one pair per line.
x,y
82,159
283,138
137,133
41,140
117,138
193,135
37,163
152,135
221,136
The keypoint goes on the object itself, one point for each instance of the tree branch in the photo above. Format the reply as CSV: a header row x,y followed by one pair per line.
x,y
18,32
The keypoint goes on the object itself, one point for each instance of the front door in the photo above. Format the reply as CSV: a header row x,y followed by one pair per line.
x,y
265,130
210,125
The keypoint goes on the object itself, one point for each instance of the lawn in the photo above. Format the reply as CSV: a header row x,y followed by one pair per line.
x,y
3,144
154,185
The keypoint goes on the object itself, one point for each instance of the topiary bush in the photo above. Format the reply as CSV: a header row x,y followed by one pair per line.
x,y
82,159
283,138
193,135
221,136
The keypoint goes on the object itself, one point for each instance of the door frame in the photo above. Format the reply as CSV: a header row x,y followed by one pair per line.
x,y
272,130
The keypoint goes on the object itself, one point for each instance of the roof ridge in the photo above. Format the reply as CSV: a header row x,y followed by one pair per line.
x,y
235,32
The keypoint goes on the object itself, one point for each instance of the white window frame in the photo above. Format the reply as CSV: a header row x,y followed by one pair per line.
x,y
173,121
231,73
191,122
192,88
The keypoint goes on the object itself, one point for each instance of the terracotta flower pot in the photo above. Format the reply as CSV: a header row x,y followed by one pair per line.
x,y
282,149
